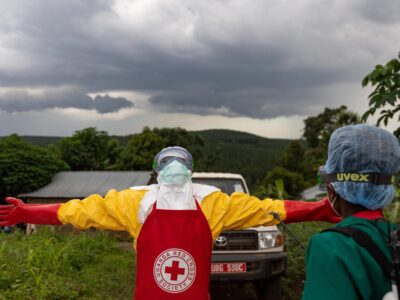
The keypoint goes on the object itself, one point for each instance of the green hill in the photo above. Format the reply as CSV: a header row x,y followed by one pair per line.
x,y
42,140
224,151
239,152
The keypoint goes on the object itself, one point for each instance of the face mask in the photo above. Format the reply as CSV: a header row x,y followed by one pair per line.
x,y
175,173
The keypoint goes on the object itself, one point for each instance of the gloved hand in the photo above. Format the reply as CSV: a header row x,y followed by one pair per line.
x,y
303,211
19,212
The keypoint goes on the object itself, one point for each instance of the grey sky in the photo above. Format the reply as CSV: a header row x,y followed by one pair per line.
x,y
122,65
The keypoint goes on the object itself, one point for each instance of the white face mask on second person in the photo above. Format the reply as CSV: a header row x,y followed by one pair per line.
x,y
175,173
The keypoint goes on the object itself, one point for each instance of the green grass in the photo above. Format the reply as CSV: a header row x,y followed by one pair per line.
x,y
293,281
48,265
51,265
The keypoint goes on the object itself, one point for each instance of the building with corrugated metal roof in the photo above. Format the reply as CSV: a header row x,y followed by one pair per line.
x,y
65,186
312,193
80,184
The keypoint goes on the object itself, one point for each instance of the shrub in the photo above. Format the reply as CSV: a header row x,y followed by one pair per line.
x,y
48,265
293,281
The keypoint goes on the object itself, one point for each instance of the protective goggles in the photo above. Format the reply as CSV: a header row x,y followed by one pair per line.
x,y
373,178
168,155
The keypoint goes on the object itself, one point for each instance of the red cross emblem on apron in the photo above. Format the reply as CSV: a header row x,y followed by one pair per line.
x,y
174,270
174,255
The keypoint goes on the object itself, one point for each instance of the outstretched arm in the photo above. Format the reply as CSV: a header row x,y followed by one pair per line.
x,y
116,211
304,211
20,212
246,211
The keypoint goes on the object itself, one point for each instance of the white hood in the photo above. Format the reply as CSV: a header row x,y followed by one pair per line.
x,y
172,197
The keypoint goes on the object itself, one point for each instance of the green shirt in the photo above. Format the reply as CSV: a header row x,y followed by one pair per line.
x,y
339,268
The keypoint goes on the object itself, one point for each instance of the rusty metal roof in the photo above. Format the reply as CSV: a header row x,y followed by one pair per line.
x,y
80,184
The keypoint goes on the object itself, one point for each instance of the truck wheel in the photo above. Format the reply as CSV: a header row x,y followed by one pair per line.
x,y
269,290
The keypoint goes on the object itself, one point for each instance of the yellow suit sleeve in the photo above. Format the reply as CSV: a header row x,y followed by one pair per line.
x,y
239,211
116,211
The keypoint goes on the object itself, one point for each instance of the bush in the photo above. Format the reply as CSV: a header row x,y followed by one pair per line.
x,y
293,183
293,281
25,168
48,265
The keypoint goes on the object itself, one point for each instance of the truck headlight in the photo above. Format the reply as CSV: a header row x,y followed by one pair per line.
x,y
269,239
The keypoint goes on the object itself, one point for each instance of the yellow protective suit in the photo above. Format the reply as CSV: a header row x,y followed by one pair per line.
x,y
119,211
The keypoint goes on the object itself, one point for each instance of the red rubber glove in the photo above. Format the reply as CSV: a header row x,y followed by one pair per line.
x,y
303,211
19,212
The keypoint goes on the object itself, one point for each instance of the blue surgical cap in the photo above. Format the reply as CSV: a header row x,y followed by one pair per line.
x,y
364,149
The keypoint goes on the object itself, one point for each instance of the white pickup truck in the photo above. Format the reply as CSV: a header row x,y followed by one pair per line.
x,y
253,254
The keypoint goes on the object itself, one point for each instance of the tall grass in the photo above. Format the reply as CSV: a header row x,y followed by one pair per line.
x,y
48,265
293,281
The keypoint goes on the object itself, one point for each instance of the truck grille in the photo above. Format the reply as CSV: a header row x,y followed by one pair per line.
x,y
236,240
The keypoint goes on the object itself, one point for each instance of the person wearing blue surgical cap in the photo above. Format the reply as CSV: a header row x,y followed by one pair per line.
x,y
358,174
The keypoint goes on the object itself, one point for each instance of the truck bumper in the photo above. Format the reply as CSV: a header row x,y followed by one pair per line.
x,y
259,266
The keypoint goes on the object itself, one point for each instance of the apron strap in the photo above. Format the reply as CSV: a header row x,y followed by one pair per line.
x,y
365,241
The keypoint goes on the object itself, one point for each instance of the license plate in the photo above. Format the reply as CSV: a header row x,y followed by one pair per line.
x,y
239,267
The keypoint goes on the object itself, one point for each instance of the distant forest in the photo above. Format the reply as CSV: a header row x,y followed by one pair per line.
x,y
276,168
222,151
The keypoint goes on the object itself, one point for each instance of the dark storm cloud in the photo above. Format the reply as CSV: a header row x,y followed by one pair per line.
x,y
21,101
237,103
221,57
106,104
384,11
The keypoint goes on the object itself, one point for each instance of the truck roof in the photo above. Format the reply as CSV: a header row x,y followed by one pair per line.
x,y
216,175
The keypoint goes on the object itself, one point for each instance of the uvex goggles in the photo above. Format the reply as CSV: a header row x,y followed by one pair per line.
x,y
167,155
373,178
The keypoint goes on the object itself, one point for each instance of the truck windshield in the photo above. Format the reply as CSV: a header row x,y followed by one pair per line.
x,y
227,186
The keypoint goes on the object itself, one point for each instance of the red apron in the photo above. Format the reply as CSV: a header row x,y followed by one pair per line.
x,y
174,255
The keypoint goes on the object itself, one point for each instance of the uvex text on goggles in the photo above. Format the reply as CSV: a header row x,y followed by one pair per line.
x,y
373,178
